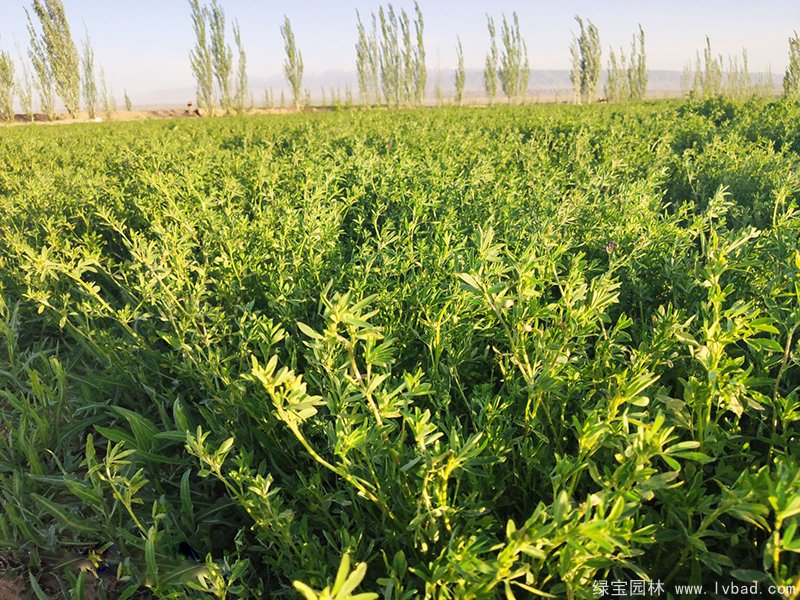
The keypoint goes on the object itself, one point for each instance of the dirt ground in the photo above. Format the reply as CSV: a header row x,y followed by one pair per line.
x,y
11,589
135,115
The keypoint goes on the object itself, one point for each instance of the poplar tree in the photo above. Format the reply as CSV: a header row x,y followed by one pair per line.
x,y
709,77
626,76
390,61
44,76
221,54
617,83
363,54
240,98
586,56
293,65
202,63
408,87
686,78
57,50
89,82
712,74
765,84
438,95
737,82
368,62
697,84
490,70
375,60
6,86
637,69
419,66
127,100
513,68
25,89
526,72
745,83
460,73
106,96
575,71
791,79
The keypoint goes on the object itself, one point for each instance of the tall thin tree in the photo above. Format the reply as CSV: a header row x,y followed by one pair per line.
x,y
617,85
293,65
490,70
221,54
25,88
408,86
420,68
712,72
6,86
107,100
390,60
461,74
45,84
363,62
586,56
791,78
200,56
513,66
637,69
59,51
89,81
240,98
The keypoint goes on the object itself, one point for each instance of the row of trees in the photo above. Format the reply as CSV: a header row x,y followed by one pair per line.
x,y
212,61
709,78
627,75
59,71
509,67
390,57
390,60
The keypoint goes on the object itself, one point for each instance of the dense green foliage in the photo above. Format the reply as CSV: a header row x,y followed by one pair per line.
x,y
480,351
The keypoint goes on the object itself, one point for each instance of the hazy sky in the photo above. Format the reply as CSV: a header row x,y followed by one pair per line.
x,y
144,44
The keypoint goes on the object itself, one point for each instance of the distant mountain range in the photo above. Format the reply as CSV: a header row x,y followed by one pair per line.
x,y
543,85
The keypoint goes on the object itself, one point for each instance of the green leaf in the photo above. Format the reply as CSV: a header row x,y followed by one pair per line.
x,y
66,519
791,510
187,506
352,582
308,331
765,344
129,591
696,456
40,594
341,575
561,506
469,282
308,593
150,557
749,575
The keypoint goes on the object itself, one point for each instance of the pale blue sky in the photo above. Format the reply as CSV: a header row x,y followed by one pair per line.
x,y
144,44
